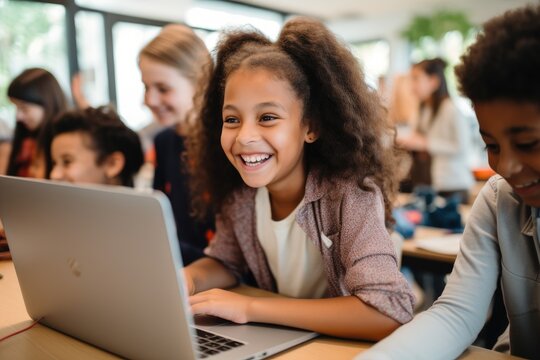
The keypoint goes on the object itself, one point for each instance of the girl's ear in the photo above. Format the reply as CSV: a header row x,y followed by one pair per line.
x,y
311,136
114,164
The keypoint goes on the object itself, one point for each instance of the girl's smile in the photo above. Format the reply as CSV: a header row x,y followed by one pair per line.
x,y
255,161
264,132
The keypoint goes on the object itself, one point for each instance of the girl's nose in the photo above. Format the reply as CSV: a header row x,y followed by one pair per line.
x,y
508,164
247,134
56,173
150,97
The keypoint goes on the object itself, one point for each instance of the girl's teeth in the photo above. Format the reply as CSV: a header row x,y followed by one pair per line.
x,y
253,160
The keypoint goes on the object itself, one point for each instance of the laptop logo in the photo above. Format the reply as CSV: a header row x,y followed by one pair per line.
x,y
74,267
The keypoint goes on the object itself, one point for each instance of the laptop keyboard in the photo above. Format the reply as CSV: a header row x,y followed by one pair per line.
x,y
212,344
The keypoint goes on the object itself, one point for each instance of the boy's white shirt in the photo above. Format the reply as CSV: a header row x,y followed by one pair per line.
x,y
294,260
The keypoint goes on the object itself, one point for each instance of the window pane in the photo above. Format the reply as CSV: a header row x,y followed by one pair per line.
x,y
31,35
374,56
216,15
128,39
92,58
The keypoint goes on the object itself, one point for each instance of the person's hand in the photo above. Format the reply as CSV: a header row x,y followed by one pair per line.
x,y
413,142
77,91
221,303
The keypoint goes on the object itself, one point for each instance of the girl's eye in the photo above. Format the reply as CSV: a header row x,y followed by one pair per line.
x,y
268,117
66,162
163,90
230,120
492,148
527,145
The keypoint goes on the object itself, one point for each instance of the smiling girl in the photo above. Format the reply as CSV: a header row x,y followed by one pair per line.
x,y
290,150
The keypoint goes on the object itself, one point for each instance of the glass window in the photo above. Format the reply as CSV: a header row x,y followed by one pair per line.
x,y
128,40
450,47
92,57
374,56
215,15
31,35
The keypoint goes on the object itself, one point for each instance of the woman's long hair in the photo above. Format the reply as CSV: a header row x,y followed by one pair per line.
x,y
40,87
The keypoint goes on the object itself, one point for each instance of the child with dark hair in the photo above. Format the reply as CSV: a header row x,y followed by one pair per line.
x,y
292,150
500,73
442,140
39,99
94,146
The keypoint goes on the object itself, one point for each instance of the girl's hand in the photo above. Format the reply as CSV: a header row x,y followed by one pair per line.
x,y
221,303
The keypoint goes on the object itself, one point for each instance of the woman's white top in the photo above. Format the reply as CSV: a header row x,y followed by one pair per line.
x,y
449,142
294,260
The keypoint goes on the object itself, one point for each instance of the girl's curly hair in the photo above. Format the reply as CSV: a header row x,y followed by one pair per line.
x,y
355,139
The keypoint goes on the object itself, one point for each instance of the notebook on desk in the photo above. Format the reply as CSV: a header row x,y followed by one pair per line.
x,y
102,264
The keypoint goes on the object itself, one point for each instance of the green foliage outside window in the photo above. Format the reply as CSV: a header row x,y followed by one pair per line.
x,y
436,26
444,34
29,33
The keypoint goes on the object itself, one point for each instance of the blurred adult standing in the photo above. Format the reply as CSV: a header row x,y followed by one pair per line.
x,y
441,131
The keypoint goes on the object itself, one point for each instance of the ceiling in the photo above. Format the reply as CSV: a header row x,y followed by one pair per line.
x,y
329,10
347,9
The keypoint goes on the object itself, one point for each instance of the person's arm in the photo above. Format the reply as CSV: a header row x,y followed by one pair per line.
x,y
342,316
207,273
371,277
224,264
413,142
453,322
5,150
77,91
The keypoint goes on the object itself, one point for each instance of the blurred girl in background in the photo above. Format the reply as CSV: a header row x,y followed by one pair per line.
x,y
39,99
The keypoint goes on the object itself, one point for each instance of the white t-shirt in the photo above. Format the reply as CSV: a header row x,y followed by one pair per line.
x,y
294,260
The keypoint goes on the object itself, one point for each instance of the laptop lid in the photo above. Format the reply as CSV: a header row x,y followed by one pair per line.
x,y
102,264
99,263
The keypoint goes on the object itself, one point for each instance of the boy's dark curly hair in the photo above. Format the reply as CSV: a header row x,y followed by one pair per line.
x,y
504,62
355,139
107,133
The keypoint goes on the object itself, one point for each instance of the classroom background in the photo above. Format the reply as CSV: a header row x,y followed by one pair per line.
x,y
91,46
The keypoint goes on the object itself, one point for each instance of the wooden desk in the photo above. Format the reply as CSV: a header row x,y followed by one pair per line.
x,y
41,342
425,260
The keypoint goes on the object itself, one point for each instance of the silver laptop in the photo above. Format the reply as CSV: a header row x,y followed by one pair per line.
x,y
102,264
